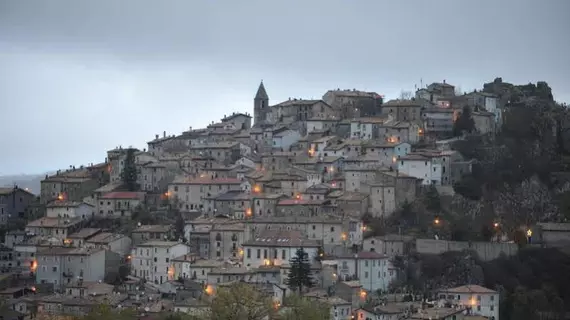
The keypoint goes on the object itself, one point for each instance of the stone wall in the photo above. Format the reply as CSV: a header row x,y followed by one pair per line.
x,y
486,250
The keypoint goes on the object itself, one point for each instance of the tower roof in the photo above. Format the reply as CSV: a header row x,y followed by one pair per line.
x,y
261,93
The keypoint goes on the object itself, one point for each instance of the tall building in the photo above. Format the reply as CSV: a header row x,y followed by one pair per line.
x,y
260,104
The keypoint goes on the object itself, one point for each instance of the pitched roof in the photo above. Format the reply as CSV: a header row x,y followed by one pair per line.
x,y
281,238
261,93
469,288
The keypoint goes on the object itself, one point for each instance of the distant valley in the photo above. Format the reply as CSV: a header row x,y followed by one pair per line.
x,y
30,181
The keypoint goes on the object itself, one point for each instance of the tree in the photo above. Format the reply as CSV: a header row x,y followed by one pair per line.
x,y
406,95
432,200
320,253
105,311
300,273
469,187
129,173
299,308
179,227
526,203
464,123
240,301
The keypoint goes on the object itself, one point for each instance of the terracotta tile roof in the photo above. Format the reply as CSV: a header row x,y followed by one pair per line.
x,y
470,288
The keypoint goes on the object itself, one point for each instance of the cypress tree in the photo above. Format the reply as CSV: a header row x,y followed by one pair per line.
x,y
129,173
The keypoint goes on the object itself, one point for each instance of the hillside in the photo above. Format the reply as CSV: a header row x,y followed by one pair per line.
x,y
30,181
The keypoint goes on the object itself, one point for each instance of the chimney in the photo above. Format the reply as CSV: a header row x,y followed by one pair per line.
x,y
164,134
443,80
156,136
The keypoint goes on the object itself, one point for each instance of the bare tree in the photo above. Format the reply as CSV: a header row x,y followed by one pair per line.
x,y
529,202
406,95
458,91
466,207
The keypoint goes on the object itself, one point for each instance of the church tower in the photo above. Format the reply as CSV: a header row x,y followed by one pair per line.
x,y
260,104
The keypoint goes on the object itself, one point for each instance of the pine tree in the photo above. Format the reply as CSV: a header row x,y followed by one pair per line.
x,y
129,173
300,273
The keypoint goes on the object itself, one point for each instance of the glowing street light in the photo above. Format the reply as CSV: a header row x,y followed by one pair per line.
x,y
436,221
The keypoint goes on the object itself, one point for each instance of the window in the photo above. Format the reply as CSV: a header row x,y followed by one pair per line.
x,y
248,253
258,253
283,254
167,260
332,229
491,307
366,263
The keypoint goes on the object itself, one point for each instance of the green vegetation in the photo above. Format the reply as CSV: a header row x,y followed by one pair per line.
x,y
129,173
300,276
298,308
464,123
532,284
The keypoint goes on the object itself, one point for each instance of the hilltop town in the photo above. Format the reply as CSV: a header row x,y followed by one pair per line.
x,y
336,201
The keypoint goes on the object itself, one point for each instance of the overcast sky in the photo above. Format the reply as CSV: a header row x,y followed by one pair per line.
x,y
80,77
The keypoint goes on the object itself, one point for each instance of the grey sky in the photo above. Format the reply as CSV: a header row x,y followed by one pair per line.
x,y
80,77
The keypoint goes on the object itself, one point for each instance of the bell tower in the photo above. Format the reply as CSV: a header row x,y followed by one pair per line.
x,y
260,104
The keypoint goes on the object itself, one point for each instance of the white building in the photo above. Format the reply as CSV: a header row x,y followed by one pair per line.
x,y
422,166
284,138
365,128
114,242
317,124
273,248
190,192
372,269
482,301
69,209
118,204
386,152
153,260
317,147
